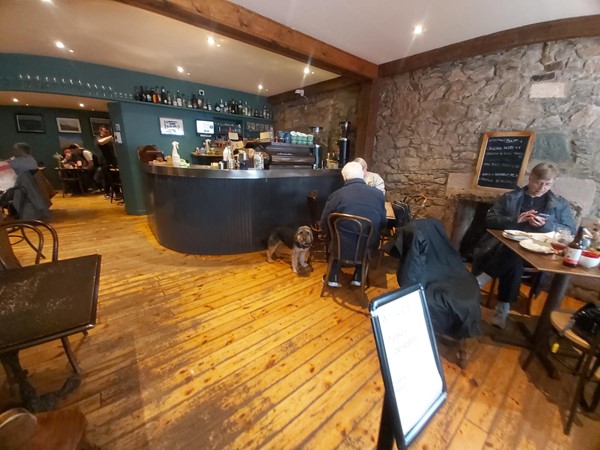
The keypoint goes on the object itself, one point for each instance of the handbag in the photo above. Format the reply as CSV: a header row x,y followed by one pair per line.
x,y
585,323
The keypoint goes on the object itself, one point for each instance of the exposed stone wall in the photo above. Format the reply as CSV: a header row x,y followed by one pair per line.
x,y
430,121
326,110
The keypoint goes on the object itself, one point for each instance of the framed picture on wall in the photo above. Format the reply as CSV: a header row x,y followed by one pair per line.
x,y
173,127
30,123
97,122
68,125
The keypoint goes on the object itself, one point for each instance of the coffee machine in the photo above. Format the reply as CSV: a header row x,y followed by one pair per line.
x,y
344,144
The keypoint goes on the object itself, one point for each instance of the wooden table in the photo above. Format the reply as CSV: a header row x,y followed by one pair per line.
x,y
537,342
42,303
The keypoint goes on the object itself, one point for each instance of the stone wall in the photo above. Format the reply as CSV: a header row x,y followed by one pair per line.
x,y
430,122
326,110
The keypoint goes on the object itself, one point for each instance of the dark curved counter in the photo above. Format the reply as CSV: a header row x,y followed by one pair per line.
x,y
201,210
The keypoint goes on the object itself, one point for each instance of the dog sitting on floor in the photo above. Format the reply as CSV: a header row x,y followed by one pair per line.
x,y
299,241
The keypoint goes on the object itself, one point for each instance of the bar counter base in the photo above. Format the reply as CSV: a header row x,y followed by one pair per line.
x,y
203,211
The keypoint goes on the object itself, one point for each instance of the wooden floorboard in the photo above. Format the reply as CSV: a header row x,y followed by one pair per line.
x,y
215,352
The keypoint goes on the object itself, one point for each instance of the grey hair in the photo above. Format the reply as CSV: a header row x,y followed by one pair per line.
x,y
353,170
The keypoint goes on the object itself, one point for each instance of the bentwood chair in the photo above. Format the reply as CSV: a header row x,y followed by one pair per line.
x,y
320,244
34,233
587,365
350,238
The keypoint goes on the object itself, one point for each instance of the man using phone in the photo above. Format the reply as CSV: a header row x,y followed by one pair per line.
x,y
533,208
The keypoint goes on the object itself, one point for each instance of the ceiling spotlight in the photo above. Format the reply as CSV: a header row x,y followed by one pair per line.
x,y
211,41
218,45
47,1
418,29
260,86
71,51
81,105
59,44
179,69
306,71
188,74
16,100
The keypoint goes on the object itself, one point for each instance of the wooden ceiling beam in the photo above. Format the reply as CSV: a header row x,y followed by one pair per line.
x,y
236,22
587,26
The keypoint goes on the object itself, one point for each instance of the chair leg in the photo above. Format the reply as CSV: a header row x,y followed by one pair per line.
x,y
490,296
327,272
583,373
70,355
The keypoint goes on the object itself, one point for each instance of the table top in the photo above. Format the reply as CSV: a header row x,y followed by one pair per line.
x,y
545,263
47,301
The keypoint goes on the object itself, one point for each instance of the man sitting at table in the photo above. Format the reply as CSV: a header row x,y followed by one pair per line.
x,y
359,199
534,208
371,178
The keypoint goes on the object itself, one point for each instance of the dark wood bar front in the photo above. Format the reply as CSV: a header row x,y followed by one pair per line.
x,y
200,210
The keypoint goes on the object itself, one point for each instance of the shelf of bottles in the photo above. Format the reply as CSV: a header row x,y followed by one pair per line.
x,y
199,101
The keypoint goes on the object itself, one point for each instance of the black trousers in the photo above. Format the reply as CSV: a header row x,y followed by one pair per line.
x,y
508,268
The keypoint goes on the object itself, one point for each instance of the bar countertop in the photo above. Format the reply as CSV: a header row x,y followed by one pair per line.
x,y
200,171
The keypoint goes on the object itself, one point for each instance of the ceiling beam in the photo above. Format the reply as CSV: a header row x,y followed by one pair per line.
x,y
587,26
236,22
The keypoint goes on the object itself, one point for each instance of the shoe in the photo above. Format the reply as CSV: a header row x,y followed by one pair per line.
x,y
501,314
483,279
333,282
356,279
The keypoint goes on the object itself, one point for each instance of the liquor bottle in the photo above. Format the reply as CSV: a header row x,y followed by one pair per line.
x,y
139,94
163,96
169,98
209,106
574,249
221,106
155,95
178,99
194,101
200,100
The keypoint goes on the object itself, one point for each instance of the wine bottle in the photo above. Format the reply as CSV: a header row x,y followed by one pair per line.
x,y
163,96
178,99
574,249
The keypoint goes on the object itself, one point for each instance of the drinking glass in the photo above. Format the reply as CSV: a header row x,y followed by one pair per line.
x,y
561,238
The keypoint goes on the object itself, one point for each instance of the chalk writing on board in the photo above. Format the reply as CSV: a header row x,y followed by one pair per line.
x,y
503,158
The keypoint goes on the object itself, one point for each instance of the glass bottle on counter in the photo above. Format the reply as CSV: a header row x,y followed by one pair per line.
x,y
574,249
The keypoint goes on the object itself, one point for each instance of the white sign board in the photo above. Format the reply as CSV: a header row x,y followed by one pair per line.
x,y
410,364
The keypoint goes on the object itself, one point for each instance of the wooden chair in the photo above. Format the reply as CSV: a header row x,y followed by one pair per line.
x,y
350,237
32,232
320,244
70,179
587,365
530,276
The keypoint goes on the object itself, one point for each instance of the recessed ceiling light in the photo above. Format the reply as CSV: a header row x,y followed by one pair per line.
x,y
188,74
179,69
306,70
218,45
211,40
71,51
260,86
81,105
59,44
16,100
47,1
418,29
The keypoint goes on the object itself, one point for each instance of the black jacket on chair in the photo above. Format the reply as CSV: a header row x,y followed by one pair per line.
x,y
452,293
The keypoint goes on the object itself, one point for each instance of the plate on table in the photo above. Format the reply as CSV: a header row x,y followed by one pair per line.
x,y
536,246
515,235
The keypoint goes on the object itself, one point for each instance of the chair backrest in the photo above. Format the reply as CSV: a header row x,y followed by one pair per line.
x,y
401,212
30,232
350,237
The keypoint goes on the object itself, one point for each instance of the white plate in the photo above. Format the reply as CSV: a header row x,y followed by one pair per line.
x,y
536,246
515,235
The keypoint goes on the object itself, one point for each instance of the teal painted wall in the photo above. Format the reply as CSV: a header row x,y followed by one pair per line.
x,y
44,145
55,75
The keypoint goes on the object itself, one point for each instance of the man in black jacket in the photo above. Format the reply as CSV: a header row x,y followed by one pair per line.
x,y
534,208
359,199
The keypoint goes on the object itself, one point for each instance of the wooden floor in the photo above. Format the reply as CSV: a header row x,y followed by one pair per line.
x,y
202,352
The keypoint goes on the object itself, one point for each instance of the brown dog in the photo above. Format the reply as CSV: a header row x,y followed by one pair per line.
x,y
299,241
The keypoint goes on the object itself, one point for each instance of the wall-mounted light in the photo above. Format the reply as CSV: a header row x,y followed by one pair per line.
x,y
418,30
306,71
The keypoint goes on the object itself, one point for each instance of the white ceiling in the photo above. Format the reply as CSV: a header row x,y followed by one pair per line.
x,y
110,33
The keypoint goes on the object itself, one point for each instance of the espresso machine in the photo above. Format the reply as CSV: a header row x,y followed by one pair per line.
x,y
344,144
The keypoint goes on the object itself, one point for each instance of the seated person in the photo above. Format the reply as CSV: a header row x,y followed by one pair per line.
x,y
73,157
21,159
359,199
518,210
371,178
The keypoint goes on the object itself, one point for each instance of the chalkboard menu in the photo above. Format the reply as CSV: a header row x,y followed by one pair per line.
x,y
503,159
412,373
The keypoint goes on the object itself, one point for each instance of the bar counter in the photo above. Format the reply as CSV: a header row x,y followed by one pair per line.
x,y
202,210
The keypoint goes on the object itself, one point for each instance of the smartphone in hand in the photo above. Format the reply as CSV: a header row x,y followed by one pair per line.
x,y
543,216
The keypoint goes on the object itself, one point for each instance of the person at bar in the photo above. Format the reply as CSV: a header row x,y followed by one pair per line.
x,y
371,178
360,199
533,208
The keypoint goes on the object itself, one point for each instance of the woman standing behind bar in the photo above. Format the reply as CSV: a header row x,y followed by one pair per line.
x,y
534,208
